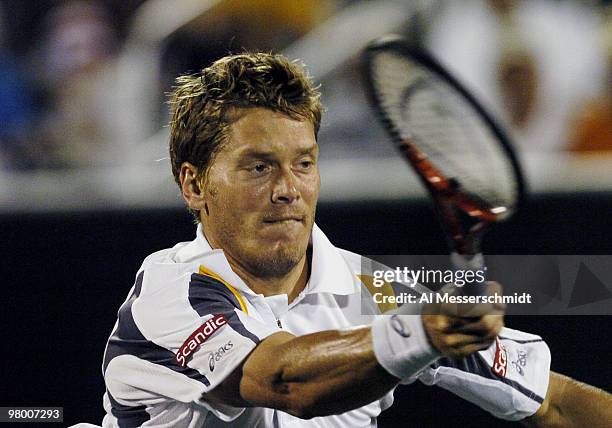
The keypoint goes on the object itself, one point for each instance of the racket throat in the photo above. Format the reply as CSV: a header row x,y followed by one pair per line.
x,y
464,216
465,232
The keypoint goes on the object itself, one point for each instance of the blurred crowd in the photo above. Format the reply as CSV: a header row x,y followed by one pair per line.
x,y
83,82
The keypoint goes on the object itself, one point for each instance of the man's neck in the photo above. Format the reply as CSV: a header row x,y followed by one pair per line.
x,y
290,284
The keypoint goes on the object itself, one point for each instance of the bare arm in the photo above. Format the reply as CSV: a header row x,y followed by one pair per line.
x,y
331,372
570,403
314,375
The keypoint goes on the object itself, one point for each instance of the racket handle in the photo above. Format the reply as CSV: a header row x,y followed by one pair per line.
x,y
462,261
473,262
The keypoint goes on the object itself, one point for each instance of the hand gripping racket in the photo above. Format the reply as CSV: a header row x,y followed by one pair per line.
x,y
461,155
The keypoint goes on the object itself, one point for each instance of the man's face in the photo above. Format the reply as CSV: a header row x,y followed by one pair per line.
x,y
261,192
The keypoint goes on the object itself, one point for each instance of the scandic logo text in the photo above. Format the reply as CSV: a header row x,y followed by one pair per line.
x,y
500,362
199,336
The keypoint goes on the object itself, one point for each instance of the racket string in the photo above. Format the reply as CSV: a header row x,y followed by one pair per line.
x,y
429,112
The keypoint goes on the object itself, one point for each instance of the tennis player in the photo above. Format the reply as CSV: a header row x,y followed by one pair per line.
x,y
258,322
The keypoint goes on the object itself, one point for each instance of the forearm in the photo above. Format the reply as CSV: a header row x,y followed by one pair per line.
x,y
570,403
317,374
332,372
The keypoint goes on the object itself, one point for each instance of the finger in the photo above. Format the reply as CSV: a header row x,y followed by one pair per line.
x,y
455,323
473,348
475,310
495,288
459,340
449,324
473,325
478,310
489,325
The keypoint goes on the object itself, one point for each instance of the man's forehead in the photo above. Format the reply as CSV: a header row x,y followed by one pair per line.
x,y
260,131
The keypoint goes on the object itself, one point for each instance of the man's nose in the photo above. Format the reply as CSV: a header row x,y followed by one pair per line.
x,y
285,190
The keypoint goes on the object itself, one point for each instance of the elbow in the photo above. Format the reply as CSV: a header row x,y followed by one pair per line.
x,y
275,379
302,413
300,398
294,398
303,405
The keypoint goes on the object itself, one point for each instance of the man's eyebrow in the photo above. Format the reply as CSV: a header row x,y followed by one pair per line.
x,y
251,154
309,150
258,153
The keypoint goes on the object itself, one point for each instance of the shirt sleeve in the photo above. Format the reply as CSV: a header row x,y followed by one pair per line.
x,y
227,334
178,336
509,379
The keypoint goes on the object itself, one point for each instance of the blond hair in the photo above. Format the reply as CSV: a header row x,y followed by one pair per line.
x,y
202,103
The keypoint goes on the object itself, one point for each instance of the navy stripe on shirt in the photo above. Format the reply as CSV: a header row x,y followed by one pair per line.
x,y
520,340
128,340
128,416
209,296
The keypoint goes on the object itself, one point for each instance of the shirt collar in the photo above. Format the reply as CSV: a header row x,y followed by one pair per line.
x,y
200,251
329,271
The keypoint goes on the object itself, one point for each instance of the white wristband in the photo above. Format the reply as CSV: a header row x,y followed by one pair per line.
x,y
401,345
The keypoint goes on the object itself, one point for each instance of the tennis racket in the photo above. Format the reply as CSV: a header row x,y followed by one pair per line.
x,y
460,154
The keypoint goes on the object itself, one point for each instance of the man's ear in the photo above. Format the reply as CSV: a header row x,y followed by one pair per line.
x,y
190,187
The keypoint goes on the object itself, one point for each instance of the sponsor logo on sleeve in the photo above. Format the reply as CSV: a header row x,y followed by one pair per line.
x,y
199,336
214,357
521,362
399,326
500,362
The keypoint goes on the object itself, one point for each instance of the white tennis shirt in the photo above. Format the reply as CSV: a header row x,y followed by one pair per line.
x,y
189,321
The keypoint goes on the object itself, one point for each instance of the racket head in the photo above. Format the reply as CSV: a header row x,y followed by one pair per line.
x,y
435,121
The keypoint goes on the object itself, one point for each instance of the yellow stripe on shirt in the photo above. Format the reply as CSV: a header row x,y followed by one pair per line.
x,y
207,272
385,290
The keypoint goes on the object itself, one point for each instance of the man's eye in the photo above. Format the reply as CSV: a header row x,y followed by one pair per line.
x,y
260,167
306,164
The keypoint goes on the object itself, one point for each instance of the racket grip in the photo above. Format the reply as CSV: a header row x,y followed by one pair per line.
x,y
473,262
462,261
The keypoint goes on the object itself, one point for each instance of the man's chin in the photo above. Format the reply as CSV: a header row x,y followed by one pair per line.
x,y
283,231
277,262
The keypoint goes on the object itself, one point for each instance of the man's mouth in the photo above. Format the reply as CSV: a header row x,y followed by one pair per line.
x,y
283,219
